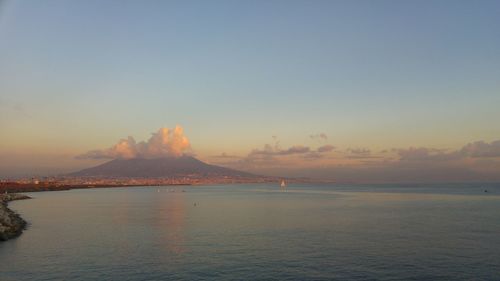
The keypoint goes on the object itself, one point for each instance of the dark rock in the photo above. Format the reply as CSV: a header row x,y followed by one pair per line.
x,y
11,224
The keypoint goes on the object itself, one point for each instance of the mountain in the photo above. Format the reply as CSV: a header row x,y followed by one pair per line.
x,y
158,168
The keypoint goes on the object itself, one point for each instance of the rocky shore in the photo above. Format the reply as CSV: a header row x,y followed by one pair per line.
x,y
11,224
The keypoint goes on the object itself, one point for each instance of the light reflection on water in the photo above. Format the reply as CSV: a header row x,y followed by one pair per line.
x,y
257,232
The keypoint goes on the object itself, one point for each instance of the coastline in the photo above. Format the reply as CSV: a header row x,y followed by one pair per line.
x,y
11,224
16,187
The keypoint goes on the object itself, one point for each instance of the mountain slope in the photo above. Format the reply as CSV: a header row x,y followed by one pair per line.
x,y
158,168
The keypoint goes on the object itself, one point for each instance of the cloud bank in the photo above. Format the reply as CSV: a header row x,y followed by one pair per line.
x,y
477,161
164,143
478,149
482,149
272,155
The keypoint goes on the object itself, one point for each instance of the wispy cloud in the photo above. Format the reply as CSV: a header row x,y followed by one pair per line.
x,y
224,155
326,148
319,136
426,154
269,150
360,153
14,107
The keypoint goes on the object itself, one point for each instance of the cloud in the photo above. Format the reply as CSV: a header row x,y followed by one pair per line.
x,y
276,150
319,136
164,143
272,155
297,149
478,149
476,161
426,154
481,149
319,153
326,148
224,155
359,151
313,155
13,107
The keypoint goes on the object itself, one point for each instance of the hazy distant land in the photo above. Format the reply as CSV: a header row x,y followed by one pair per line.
x,y
185,170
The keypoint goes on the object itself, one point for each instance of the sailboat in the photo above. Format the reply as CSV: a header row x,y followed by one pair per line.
x,y
283,185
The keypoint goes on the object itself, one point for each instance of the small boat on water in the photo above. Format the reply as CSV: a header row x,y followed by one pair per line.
x,y
283,185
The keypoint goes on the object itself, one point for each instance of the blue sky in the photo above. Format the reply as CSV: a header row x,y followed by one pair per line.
x,y
79,75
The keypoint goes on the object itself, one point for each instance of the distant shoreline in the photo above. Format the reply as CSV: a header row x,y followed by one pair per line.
x,y
18,188
15,187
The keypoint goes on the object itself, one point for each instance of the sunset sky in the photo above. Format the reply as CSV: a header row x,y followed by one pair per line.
x,y
364,91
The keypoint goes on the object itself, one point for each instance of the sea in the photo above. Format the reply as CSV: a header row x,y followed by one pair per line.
x,y
257,232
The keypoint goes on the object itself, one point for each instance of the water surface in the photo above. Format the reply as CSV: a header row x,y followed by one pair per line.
x,y
242,232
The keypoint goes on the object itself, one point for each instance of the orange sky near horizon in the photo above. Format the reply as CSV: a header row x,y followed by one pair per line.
x,y
417,80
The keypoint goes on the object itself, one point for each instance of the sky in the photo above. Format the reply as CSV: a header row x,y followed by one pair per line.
x,y
354,91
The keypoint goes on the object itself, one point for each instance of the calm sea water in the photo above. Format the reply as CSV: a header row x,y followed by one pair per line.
x,y
255,232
